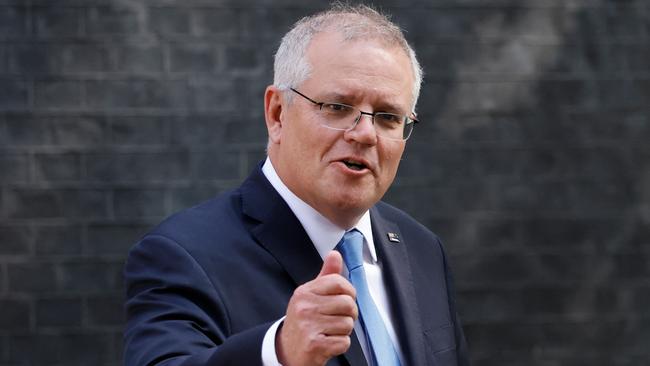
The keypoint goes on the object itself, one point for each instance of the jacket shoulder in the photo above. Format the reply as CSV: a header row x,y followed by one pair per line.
x,y
405,221
214,218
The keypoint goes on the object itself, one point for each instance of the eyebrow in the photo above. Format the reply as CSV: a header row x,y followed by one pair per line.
x,y
336,97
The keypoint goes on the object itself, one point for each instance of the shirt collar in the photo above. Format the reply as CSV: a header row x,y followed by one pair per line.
x,y
323,233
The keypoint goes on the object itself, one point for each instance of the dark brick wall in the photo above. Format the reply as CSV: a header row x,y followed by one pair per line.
x,y
532,161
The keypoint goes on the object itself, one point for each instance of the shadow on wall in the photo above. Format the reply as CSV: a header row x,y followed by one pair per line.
x,y
532,164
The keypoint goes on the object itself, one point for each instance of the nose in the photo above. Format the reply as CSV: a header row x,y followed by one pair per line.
x,y
363,131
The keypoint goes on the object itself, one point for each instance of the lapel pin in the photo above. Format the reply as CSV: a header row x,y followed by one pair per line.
x,y
393,237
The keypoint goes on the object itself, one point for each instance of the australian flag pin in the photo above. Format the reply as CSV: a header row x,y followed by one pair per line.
x,y
393,237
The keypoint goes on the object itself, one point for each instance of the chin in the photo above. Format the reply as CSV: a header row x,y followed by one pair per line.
x,y
355,203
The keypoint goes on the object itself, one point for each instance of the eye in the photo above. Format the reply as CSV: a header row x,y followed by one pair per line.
x,y
389,119
336,108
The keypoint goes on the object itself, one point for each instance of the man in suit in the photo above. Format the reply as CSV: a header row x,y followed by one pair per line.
x,y
264,275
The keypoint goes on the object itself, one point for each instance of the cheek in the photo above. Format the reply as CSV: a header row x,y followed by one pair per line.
x,y
392,153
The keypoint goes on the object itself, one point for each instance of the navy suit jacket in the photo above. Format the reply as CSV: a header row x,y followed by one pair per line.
x,y
206,284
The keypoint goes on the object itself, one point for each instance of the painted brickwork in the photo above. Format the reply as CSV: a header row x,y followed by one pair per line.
x,y
532,161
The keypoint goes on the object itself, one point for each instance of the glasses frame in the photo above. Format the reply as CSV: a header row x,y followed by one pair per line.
x,y
407,119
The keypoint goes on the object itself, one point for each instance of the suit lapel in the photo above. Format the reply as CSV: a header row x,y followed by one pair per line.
x,y
397,274
281,233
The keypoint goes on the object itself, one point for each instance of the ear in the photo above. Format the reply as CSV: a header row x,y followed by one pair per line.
x,y
273,112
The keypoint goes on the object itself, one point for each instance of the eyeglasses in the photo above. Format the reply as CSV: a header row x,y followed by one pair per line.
x,y
345,117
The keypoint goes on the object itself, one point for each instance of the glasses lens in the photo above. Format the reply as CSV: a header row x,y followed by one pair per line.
x,y
390,125
339,116
408,129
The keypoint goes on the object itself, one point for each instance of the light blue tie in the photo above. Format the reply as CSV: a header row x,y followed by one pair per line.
x,y
380,344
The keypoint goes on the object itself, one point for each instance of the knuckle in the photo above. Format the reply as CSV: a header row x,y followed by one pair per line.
x,y
314,343
341,346
303,309
348,323
350,307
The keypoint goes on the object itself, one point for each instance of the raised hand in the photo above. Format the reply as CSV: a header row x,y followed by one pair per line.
x,y
320,318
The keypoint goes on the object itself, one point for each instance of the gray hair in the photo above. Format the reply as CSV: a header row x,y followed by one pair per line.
x,y
353,22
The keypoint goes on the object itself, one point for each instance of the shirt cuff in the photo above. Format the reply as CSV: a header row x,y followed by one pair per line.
x,y
269,355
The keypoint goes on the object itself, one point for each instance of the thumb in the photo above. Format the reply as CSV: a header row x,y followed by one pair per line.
x,y
332,264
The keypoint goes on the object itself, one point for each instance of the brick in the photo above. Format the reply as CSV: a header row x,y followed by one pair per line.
x,y
565,233
77,131
77,348
55,21
216,165
635,23
140,131
213,95
456,22
82,58
57,94
631,266
640,299
506,268
639,91
90,276
491,96
183,198
225,23
16,240
530,162
58,312
31,277
441,58
450,164
57,167
137,94
618,94
192,58
111,20
33,348
14,94
31,58
245,130
55,240
570,302
14,168
114,239
567,93
243,57
139,203
637,60
602,195
584,56
14,21
104,310
4,59
490,306
529,197
269,22
138,60
169,21
254,158
596,125
142,167
14,314
51,203
118,349
199,130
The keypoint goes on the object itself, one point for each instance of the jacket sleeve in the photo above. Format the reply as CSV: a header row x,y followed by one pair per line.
x,y
175,314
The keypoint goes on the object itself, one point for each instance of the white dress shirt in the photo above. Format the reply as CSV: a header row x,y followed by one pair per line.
x,y
325,236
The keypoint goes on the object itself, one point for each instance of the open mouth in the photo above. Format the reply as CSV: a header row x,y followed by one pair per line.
x,y
354,165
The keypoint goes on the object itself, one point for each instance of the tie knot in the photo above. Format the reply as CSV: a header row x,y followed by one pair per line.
x,y
351,248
